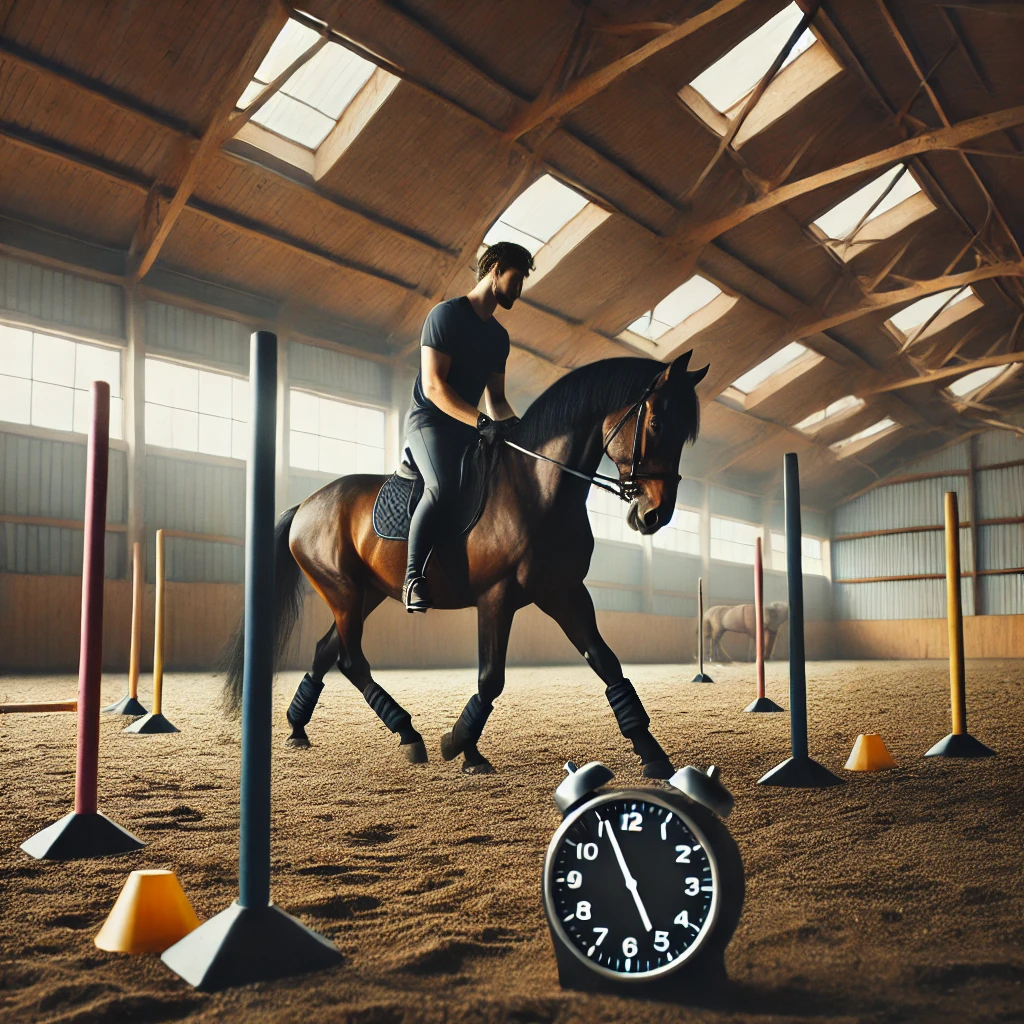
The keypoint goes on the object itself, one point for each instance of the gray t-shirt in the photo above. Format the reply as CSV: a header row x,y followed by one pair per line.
x,y
478,348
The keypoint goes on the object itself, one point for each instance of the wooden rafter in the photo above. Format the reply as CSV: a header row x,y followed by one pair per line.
x,y
949,372
151,236
941,138
586,88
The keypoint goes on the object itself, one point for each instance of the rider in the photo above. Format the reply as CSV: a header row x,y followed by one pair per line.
x,y
463,350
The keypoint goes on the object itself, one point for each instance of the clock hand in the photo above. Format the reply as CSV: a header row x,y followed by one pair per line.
x,y
629,879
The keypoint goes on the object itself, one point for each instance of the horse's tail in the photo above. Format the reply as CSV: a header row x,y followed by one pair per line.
x,y
287,602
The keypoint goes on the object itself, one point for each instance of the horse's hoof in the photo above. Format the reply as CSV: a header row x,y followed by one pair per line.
x,y
299,742
415,753
481,767
448,749
660,769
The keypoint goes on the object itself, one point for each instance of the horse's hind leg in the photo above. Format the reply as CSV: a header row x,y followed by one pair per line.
x,y
356,669
574,612
300,711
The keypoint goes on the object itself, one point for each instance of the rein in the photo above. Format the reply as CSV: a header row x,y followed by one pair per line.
x,y
624,489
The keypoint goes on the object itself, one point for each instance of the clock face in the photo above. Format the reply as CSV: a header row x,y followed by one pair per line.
x,y
631,886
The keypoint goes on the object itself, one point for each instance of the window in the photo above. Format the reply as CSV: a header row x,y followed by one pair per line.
x,y
733,77
331,436
607,521
879,196
975,381
834,410
689,297
537,215
44,381
920,312
874,431
681,533
196,410
313,99
732,541
753,379
813,561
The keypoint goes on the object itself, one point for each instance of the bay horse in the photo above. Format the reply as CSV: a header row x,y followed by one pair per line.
x,y
531,544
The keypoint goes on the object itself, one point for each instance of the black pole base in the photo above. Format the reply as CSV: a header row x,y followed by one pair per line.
x,y
800,773
700,677
152,724
763,704
960,745
241,945
77,836
127,705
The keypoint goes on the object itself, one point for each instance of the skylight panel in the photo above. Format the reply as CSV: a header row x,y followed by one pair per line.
x,y
313,99
862,435
733,76
979,378
837,408
537,214
918,312
689,297
752,379
840,221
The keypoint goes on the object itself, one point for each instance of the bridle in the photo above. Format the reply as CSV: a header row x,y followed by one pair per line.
x,y
625,488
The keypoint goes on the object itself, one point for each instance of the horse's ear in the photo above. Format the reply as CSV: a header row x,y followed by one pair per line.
x,y
677,370
698,375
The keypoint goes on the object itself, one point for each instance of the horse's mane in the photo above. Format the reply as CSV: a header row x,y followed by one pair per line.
x,y
587,393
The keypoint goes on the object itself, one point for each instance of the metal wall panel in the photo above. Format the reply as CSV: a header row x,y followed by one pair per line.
x,y
917,503
674,571
612,600
302,485
199,560
907,599
199,338
61,299
328,370
1000,493
691,492
1003,595
813,523
616,563
955,458
1001,547
46,478
733,505
729,583
905,554
997,446
669,604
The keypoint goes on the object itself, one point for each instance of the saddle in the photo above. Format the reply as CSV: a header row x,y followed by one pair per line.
x,y
397,499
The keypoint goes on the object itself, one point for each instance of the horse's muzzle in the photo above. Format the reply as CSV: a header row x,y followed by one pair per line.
x,y
645,523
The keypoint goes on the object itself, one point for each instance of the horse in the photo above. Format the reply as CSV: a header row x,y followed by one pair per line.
x,y
532,544
741,618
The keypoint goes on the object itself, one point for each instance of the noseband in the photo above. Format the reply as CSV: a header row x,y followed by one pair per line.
x,y
625,488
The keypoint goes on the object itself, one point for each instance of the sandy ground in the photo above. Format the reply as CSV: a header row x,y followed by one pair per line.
x,y
897,897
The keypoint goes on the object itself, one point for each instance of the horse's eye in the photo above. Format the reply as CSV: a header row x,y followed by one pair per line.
x,y
655,425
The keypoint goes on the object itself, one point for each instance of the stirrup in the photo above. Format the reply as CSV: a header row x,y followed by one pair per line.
x,y
415,595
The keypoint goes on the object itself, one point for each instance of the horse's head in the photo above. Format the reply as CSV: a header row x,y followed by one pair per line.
x,y
648,443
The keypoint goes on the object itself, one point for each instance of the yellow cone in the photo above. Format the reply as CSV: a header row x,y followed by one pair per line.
x,y
151,914
869,755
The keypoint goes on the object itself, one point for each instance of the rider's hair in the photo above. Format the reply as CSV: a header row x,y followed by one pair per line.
x,y
504,256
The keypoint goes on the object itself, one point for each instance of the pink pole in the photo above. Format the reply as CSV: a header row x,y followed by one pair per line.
x,y
90,657
759,614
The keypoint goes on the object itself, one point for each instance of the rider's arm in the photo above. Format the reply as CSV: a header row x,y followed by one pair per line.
x,y
434,367
495,402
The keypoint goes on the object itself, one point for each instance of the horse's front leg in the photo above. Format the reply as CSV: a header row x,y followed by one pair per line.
x,y
300,711
574,612
495,611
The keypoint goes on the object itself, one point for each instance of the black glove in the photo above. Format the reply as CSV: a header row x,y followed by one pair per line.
x,y
495,431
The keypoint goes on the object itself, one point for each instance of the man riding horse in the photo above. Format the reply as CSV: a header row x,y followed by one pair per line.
x,y
463,350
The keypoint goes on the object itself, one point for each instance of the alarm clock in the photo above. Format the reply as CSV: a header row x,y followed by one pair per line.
x,y
642,888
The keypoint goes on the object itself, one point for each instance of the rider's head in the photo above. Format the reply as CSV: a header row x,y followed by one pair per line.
x,y
506,265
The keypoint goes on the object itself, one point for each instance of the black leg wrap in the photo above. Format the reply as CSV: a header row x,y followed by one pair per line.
x,y
472,721
388,710
629,712
300,711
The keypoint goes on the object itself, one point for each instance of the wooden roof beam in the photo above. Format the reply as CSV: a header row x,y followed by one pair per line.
x,y
154,230
948,372
586,88
937,139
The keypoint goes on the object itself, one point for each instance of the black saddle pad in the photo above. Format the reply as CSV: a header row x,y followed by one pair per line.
x,y
399,496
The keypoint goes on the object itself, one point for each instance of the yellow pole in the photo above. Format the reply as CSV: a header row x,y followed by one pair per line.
x,y
954,618
158,628
136,650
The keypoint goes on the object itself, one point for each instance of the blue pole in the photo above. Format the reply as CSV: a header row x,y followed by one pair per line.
x,y
795,575
254,845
